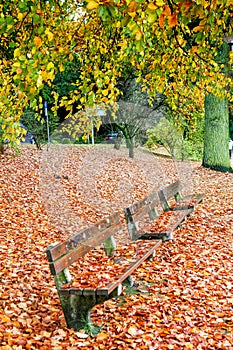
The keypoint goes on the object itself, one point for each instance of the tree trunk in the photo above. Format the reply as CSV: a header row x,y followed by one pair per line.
x,y
216,153
130,146
1,147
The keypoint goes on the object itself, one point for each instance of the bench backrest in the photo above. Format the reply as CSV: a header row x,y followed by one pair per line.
x,y
62,255
136,212
171,191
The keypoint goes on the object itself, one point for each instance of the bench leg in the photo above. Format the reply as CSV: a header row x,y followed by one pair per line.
x,y
77,307
77,311
169,237
129,281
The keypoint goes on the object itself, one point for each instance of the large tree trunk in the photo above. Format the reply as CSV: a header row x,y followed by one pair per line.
x,y
216,153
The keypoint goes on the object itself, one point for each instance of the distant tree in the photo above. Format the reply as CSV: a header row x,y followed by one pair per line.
x,y
165,134
134,115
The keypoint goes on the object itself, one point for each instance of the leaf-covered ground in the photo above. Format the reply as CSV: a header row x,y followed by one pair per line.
x,y
184,299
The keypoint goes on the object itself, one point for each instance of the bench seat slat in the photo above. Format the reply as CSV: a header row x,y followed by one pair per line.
x,y
133,266
178,217
155,235
113,285
175,220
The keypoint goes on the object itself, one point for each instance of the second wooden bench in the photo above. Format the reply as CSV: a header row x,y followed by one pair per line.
x,y
158,213
171,197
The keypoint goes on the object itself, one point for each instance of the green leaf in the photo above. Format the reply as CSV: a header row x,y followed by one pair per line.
x,y
125,21
22,6
152,17
30,3
12,45
103,12
3,25
22,58
41,30
199,37
112,10
36,18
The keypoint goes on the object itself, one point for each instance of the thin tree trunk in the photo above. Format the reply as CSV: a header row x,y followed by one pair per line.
x,y
130,145
1,148
216,153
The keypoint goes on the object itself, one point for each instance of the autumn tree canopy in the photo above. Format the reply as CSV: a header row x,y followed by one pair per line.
x,y
170,45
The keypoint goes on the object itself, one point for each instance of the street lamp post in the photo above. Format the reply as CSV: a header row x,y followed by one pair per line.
x,y
47,122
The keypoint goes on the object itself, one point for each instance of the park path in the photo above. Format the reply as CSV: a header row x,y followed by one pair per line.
x,y
96,181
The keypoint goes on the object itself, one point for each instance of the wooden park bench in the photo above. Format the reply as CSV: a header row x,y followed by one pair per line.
x,y
155,214
172,199
97,279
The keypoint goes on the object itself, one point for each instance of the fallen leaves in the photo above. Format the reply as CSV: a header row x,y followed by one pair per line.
x,y
184,296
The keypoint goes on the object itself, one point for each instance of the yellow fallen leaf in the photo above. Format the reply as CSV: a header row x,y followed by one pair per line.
x,y
102,336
